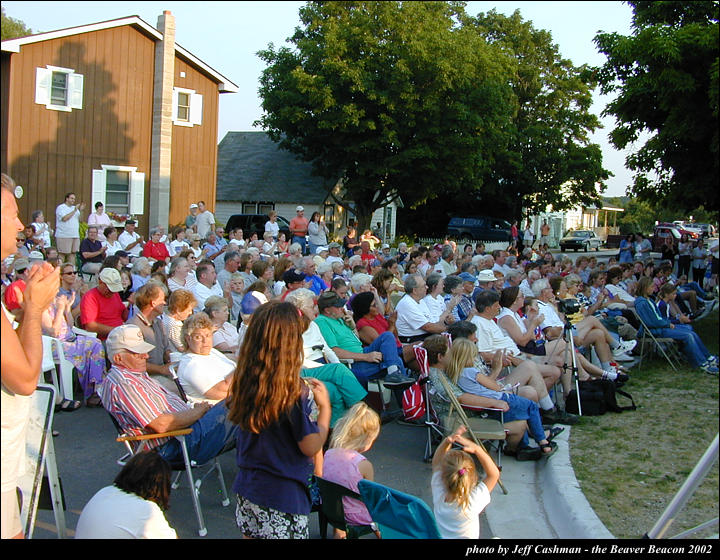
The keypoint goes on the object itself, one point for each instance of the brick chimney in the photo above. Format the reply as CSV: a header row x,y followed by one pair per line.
x,y
161,151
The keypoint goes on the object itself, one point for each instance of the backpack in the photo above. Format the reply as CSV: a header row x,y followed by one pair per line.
x,y
597,397
413,402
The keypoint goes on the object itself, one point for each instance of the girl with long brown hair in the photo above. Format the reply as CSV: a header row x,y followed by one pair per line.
x,y
283,422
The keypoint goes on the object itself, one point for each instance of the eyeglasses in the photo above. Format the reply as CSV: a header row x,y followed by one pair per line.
x,y
71,272
199,337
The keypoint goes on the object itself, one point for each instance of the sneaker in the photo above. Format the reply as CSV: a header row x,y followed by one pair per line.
x,y
624,346
623,358
704,313
713,360
397,378
707,367
621,379
557,416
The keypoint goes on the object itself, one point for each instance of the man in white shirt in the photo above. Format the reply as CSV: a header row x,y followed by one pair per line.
x,y
205,221
500,258
131,241
334,253
414,320
446,266
206,285
67,228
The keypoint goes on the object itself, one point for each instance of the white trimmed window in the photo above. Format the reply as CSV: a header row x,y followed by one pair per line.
x,y
121,189
59,89
187,107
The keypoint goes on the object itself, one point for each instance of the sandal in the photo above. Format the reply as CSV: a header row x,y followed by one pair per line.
x,y
67,406
554,432
94,401
553,448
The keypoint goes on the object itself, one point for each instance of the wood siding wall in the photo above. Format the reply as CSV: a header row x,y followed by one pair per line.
x,y
194,150
51,152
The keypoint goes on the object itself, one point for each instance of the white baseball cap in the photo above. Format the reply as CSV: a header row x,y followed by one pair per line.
x,y
193,206
111,278
126,337
320,250
299,209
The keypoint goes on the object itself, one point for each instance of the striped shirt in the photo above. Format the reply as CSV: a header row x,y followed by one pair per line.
x,y
135,400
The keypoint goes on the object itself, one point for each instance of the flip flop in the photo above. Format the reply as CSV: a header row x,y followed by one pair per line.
x,y
67,406
525,453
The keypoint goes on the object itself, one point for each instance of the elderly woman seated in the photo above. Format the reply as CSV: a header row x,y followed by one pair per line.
x,y
225,338
321,362
205,374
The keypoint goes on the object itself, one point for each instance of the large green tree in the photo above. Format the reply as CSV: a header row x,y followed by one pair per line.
x,y
397,99
549,159
11,27
665,77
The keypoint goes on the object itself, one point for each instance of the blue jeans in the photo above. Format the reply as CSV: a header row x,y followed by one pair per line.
x,y
210,435
525,409
386,344
302,241
693,348
693,286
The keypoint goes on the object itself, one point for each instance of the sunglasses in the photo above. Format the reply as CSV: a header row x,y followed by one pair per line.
x,y
72,272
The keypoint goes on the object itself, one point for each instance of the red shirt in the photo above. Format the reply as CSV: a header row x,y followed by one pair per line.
x,y
96,308
11,300
156,251
379,323
298,226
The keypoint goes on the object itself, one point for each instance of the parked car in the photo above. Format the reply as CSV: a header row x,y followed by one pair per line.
x,y
481,228
665,230
255,223
581,239
707,230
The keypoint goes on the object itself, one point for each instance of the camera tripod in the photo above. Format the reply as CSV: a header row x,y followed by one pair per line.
x,y
572,363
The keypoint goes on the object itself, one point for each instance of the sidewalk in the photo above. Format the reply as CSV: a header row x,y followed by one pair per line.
x,y
544,501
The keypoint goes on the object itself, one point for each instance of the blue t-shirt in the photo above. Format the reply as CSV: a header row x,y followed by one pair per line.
x,y
467,381
273,472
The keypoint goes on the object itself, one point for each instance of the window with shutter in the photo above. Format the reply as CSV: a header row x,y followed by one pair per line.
x,y
59,89
120,188
187,107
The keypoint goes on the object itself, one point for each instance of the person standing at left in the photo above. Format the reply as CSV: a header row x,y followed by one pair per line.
x,y
67,228
19,362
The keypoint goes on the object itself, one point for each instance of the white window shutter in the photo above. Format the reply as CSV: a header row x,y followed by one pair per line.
x,y
43,79
196,108
174,105
137,193
75,91
99,179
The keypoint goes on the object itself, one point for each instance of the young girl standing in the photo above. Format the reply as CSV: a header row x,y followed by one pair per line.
x,y
458,494
344,463
280,429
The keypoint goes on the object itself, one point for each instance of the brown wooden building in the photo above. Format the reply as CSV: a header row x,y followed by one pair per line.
x,y
114,111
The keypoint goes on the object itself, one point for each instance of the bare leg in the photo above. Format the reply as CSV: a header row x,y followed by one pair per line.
x,y
527,373
516,429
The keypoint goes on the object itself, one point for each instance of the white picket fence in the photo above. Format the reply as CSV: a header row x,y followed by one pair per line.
x,y
490,246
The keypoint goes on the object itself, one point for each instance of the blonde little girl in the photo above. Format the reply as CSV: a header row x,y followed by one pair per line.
x,y
344,463
458,494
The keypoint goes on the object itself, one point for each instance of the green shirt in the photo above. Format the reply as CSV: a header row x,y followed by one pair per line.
x,y
337,333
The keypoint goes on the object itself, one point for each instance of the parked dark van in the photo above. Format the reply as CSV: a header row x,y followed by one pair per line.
x,y
255,223
480,228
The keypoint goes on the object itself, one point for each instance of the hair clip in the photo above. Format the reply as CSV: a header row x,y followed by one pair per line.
x,y
462,471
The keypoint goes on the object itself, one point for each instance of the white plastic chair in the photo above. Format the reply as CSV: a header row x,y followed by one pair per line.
x,y
63,384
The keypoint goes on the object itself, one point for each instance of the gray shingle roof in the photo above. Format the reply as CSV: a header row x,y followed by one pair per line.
x,y
251,167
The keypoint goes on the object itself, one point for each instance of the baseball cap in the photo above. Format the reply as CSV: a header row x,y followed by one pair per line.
x,y
122,253
334,245
193,206
36,256
299,209
21,263
486,276
320,250
126,337
111,278
466,277
385,246
330,299
293,275
130,222
251,301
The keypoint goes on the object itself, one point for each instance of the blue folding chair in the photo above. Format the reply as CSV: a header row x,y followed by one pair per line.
x,y
398,515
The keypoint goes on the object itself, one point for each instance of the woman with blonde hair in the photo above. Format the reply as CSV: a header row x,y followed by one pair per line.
x,y
179,307
344,463
283,421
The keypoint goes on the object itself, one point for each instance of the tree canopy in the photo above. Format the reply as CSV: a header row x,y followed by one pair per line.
x,y
418,100
11,27
665,76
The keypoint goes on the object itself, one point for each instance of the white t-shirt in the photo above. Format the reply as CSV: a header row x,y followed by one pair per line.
x,y
70,228
618,292
15,411
112,249
198,374
491,338
126,238
228,334
552,319
453,522
178,247
436,306
204,223
272,227
411,315
202,292
115,514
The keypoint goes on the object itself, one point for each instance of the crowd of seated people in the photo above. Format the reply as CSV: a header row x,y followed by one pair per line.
x,y
181,305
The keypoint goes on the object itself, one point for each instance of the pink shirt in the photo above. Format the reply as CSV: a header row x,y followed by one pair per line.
x,y
341,467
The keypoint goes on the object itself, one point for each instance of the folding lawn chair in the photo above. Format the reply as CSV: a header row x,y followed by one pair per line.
x,y
432,422
332,510
666,346
479,429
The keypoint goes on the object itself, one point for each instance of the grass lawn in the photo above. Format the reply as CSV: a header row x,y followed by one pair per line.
x,y
630,465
